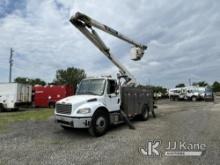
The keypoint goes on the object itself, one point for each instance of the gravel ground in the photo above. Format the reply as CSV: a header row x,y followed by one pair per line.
x,y
44,142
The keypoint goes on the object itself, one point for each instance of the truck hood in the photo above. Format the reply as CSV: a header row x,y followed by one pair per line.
x,y
78,99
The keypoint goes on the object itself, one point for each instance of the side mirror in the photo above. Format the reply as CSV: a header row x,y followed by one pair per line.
x,y
116,91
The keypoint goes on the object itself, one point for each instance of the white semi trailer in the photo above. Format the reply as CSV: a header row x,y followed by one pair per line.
x,y
13,95
102,101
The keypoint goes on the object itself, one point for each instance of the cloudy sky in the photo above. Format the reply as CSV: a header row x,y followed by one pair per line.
x,y
183,38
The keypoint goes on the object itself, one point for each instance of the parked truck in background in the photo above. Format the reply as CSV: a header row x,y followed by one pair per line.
x,y
192,93
103,101
48,95
174,93
195,93
14,95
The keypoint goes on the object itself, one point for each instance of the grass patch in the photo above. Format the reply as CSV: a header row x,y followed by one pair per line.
x,y
39,114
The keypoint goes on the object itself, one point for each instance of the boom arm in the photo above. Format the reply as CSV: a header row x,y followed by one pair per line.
x,y
85,24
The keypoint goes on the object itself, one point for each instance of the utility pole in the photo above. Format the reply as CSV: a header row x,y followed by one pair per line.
x,y
190,82
10,64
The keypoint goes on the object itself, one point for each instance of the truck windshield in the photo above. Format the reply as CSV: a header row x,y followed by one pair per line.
x,y
91,87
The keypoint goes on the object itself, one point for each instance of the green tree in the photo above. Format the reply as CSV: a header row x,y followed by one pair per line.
x,y
200,83
70,76
160,89
26,80
216,86
37,81
23,80
180,85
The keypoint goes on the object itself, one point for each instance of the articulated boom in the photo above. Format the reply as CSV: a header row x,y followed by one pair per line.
x,y
85,24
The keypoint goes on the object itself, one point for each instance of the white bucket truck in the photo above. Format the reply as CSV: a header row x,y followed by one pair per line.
x,y
192,93
100,102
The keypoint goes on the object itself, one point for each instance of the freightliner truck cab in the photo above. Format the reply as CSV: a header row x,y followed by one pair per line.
x,y
95,97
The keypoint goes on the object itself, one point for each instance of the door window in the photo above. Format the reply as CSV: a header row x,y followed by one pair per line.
x,y
112,86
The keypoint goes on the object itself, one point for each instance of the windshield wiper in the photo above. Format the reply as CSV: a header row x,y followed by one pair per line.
x,y
91,93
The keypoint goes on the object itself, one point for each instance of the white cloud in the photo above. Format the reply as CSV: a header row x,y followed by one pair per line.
x,y
182,39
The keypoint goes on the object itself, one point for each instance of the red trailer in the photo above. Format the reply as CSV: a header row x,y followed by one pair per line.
x,y
48,95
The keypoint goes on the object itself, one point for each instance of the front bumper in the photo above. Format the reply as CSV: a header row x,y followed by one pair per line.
x,y
74,122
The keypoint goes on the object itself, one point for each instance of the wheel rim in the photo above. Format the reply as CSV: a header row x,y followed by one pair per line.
x,y
100,124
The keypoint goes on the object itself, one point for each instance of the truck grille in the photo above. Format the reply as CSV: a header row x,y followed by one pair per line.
x,y
64,108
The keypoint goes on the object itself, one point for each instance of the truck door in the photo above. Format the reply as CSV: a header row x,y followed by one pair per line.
x,y
112,98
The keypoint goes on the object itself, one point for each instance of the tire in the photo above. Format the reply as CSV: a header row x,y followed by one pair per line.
x,y
99,124
33,105
145,113
51,105
194,99
1,108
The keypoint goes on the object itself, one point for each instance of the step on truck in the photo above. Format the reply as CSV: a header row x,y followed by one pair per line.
x,y
102,101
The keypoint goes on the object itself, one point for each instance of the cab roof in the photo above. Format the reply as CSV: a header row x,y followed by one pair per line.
x,y
100,77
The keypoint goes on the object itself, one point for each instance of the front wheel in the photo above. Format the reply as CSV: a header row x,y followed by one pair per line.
x,y
99,124
194,98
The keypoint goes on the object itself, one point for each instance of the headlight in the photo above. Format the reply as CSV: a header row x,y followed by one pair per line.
x,y
84,110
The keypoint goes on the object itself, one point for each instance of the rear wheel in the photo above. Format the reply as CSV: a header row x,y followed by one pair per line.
x,y
33,105
145,113
194,98
99,124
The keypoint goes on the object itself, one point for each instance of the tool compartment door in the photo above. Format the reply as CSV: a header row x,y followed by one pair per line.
x,y
133,99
